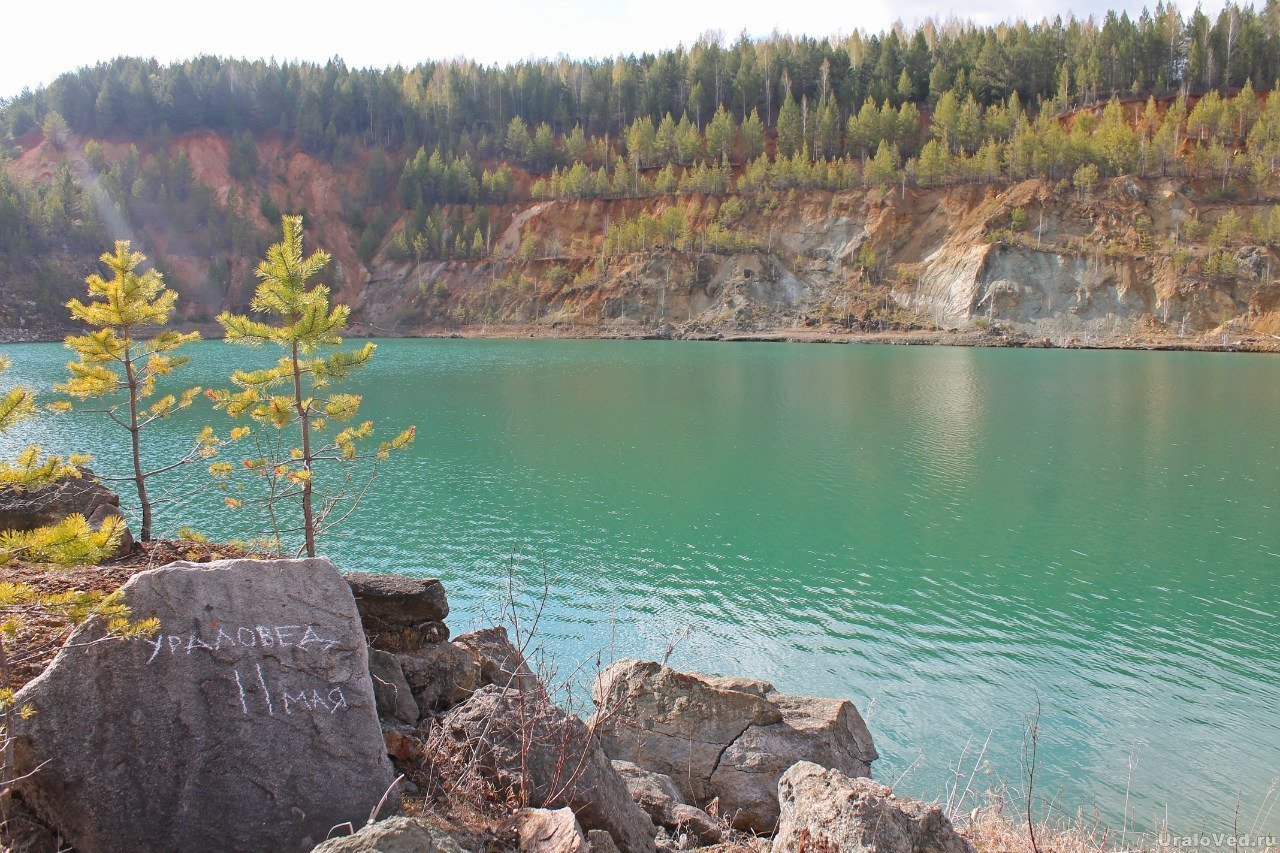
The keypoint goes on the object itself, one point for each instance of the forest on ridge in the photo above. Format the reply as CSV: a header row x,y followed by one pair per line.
x,y
441,150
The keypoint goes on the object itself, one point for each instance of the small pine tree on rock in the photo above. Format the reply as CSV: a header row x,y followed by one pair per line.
x,y
121,363
307,323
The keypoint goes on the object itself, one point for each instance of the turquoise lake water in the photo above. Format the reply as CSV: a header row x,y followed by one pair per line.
x,y
945,536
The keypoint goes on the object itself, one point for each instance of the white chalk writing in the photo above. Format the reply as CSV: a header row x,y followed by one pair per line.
x,y
244,705
256,689
218,638
287,700
262,679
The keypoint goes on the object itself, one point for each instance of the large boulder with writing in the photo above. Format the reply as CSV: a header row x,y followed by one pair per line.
x,y
246,722
725,739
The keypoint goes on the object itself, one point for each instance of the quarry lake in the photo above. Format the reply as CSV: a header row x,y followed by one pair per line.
x,y
948,537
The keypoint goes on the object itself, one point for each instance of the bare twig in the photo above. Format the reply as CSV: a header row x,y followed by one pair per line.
x,y
1030,748
373,815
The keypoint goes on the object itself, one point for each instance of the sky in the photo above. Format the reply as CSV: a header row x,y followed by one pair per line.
x,y
39,42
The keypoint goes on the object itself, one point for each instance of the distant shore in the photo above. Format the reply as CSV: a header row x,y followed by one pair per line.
x,y
833,335
808,335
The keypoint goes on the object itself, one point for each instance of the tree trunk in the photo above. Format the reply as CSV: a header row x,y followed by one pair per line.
x,y
136,438
308,520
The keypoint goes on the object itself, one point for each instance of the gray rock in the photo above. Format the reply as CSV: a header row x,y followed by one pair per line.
x,y
500,661
391,691
399,599
724,738
740,683
400,614
550,831
653,792
246,723
1132,190
829,732
826,810
523,742
27,509
440,675
672,723
660,799
693,821
393,835
1252,261
601,842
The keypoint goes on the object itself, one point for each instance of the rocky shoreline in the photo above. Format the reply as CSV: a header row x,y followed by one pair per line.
x,y
282,705
994,337
989,338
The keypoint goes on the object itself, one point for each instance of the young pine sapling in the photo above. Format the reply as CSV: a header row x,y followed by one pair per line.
x,y
121,362
293,397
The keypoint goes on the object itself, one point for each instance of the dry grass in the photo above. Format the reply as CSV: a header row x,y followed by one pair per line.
x,y
998,826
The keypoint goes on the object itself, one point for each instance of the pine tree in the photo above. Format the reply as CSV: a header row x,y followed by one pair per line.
x,y
575,145
908,134
1264,137
864,130
120,367
882,169
968,129
933,166
905,90
542,151
518,142
688,142
641,144
32,469
1150,117
827,139
790,132
1207,118
1115,139
1085,179
664,141
694,105
720,134
307,323
946,115
753,136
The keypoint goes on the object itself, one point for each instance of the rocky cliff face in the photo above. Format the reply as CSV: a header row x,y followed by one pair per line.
x,y
1082,271
1031,259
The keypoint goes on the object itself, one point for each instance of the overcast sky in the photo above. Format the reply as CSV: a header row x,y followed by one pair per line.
x,y
40,40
